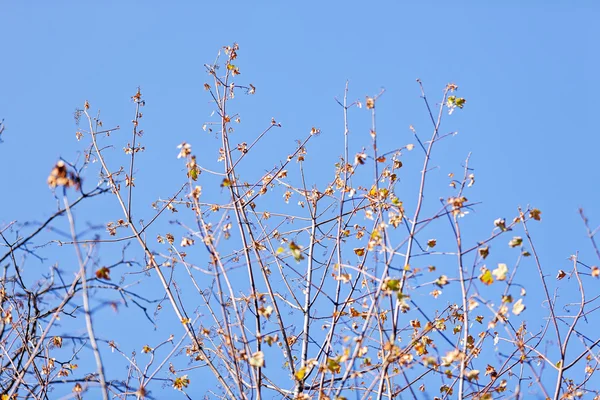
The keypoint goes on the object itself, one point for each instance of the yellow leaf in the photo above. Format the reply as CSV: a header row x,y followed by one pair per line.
x,y
296,252
373,191
333,365
300,373
181,382
486,277
442,281
392,284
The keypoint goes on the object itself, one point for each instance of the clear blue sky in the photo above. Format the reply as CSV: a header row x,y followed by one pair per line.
x,y
529,74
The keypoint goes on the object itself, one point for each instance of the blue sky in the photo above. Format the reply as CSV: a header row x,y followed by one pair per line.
x,y
529,74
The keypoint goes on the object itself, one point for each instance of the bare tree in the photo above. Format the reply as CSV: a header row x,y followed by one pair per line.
x,y
287,283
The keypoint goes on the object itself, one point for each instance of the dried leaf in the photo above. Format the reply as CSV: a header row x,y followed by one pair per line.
x,y
181,382
57,341
515,241
442,281
535,214
359,251
185,149
484,252
518,307
500,272
103,273
257,359
500,223
296,252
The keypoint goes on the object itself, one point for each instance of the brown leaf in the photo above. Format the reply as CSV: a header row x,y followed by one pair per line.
x,y
103,273
370,103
